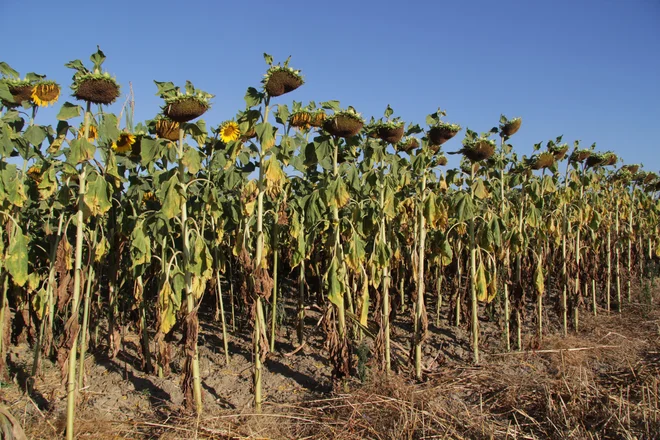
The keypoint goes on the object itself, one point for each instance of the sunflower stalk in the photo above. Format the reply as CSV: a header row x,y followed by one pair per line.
x,y
473,280
85,324
71,378
190,299
419,307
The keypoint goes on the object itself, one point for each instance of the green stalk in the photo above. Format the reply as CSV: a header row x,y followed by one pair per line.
x,y
301,302
473,282
341,315
85,324
593,296
438,287
258,328
190,300
71,377
146,352
4,305
608,289
419,309
222,310
51,302
507,333
617,260
276,231
630,233
402,294
386,274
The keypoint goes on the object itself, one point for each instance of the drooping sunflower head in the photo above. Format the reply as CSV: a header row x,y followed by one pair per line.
x,y
91,136
301,119
97,88
124,144
542,161
632,168
509,127
229,131
282,79
318,118
34,172
20,89
45,93
344,123
441,132
166,128
183,106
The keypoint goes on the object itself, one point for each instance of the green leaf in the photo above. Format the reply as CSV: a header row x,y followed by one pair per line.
x,y
6,70
12,187
268,59
69,111
464,206
35,135
150,150
81,150
192,160
170,197
140,246
97,58
97,196
16,258
108,129
334,283
253,97
265,134
479,189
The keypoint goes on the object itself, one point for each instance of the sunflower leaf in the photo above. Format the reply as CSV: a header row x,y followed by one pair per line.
x,y
16,259
69,111
6,70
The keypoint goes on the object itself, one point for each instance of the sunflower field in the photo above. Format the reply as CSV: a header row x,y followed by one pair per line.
x,y
107,225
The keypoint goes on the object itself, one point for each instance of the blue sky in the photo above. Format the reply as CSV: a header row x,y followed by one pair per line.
x,y
587,69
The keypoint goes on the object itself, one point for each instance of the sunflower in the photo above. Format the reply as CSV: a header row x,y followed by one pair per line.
x,y
167,129
124,144
45,93
301,119
92,135
229,131
34,172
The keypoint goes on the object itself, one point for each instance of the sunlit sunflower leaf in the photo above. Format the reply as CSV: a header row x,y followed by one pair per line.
x,y
481,283
170,197
334,283
192,160
69,111
253,97
16,258
96,197
265,134
35,135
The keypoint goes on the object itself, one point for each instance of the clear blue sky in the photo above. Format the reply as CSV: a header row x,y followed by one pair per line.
x,y
587,69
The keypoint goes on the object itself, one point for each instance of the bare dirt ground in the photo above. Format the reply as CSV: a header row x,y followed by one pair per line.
x,y
602,382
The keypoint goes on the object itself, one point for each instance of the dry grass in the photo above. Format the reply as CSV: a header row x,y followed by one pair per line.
x,y
601,383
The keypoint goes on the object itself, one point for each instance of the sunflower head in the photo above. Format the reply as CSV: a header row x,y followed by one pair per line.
x,y
91,136
20,91
34,172
183,106
45,93
301,119
282,79
124,144
97,88
509,127
229,131
167,129
318,118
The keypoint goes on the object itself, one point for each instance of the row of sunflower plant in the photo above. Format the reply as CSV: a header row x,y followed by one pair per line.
x,y
105,226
